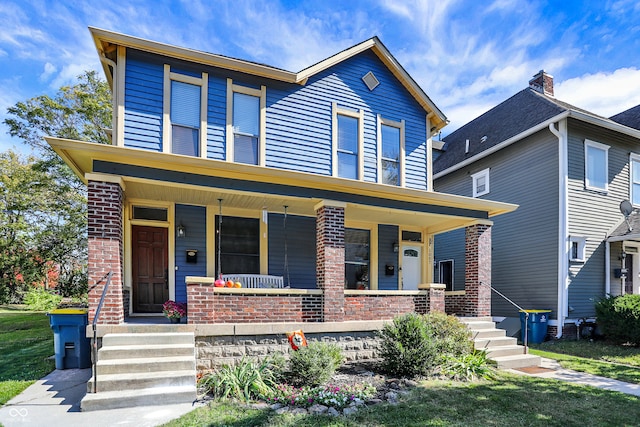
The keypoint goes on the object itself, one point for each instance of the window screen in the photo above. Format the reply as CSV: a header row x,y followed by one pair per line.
x,y
239,245
246,128
390,155
347,147
185,118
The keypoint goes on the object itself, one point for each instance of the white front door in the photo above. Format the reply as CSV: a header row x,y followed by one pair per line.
x,y
411,267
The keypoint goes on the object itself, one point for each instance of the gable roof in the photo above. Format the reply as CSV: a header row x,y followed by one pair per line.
x,y
525,113
106,43
630,117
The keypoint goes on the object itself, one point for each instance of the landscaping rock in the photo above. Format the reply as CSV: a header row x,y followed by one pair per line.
x,y
283,410
391,396
299,411
333,412
318,409
349,410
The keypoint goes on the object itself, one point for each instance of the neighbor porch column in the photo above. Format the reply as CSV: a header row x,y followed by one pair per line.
x,y
477,276
105,244
330,258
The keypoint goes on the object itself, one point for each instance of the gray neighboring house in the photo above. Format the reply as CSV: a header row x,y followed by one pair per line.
x,y
568,243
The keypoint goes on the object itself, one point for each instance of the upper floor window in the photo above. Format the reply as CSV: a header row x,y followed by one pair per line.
x,y
577,248
246,110
347,143
390,149
480,183
635,179
184,113
596,165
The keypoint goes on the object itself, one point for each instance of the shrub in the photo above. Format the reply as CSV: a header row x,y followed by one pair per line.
x,y
315,364
246,381
335,396
40,299
619,318
468,367
415,345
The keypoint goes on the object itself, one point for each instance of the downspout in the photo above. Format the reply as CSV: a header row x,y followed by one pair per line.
x,y
563,220
114,107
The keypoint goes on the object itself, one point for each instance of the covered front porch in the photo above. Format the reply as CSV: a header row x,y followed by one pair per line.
x,y
167,225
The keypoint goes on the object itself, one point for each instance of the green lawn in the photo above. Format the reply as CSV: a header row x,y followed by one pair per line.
x,y
26,343
594,357
510,400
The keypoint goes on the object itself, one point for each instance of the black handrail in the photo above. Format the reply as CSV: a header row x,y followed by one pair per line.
x,y
94,342
526,315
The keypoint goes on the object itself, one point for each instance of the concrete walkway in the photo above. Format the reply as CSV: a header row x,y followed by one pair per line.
x,y
552,369
54,401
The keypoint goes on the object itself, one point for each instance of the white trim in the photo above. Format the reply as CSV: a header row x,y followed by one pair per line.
x,y
356,114
581,244
261,94
599,146
453,281
633,157
401,149
118,113
474,182
202,81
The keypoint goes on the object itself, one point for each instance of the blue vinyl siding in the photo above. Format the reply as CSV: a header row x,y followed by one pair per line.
x,y
387,236
216,117
143,101
301,249
193,218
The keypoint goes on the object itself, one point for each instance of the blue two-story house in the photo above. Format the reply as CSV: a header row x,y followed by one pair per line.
x,y
219,166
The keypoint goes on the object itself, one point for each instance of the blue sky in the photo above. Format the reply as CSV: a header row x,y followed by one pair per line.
x,y
467,55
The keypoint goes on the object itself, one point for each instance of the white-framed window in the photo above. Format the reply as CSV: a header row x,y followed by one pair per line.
x,y
246,112
390,152
634,183
184,113
348,143
445,272
480,182
577,248
596,165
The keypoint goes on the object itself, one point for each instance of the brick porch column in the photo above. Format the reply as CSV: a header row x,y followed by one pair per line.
x,y
330,258
477,270
105,237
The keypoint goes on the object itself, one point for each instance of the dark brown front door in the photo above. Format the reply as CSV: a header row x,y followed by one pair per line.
x,y
150,275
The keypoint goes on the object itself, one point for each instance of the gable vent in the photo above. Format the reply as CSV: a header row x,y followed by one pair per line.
x,y
370,80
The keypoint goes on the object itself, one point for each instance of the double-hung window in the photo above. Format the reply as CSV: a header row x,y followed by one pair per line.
x,y
596,165
184,127
480,182
246,109
347,143
391,149
635,179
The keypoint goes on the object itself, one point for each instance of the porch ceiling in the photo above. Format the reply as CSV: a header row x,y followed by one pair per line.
x,y
181,179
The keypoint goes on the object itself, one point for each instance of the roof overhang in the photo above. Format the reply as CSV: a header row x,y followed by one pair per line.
x,y
106,43
182,179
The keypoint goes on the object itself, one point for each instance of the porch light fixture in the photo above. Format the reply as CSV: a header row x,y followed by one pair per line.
x,y
182,232
396,247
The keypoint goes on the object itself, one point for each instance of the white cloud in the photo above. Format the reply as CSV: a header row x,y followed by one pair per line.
x,y
602,93
49,69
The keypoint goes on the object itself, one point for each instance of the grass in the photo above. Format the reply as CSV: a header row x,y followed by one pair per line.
x,y
26,343
510,400
594,357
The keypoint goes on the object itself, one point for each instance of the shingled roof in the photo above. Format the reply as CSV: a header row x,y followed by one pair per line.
x,y
630,117
524,110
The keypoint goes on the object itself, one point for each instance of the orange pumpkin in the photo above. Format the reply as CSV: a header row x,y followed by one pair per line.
x,y
229,284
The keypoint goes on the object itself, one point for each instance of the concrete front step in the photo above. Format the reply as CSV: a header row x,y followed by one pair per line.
x,y
487,333
148,338
137,381
145,351
484,343
504,350
517,361
139,397
151,364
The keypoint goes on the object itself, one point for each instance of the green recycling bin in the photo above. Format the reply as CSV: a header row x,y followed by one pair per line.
x,y
536,326
71,345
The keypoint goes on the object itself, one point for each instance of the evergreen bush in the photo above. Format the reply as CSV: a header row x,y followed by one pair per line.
x,y
619,318
315,364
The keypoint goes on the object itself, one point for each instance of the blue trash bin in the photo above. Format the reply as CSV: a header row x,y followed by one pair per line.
x,y
536,326
71,345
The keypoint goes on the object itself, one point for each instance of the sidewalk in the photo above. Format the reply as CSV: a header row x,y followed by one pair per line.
x,y
552,369
54,401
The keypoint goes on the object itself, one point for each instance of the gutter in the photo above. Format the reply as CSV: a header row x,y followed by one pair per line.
x,y
563,221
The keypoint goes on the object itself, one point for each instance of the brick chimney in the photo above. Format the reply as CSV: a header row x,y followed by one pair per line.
x,y
542,82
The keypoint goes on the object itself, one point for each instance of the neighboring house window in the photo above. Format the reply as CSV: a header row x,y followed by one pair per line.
x,y
185,106
577,248
635,179
246,111
356,258
239,245
480,183
445,269
391,151
596,165
347,143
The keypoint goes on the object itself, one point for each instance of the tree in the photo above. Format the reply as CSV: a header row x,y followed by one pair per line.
x,y
46,225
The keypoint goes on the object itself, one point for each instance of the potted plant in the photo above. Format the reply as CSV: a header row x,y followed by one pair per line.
x,y
174,311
